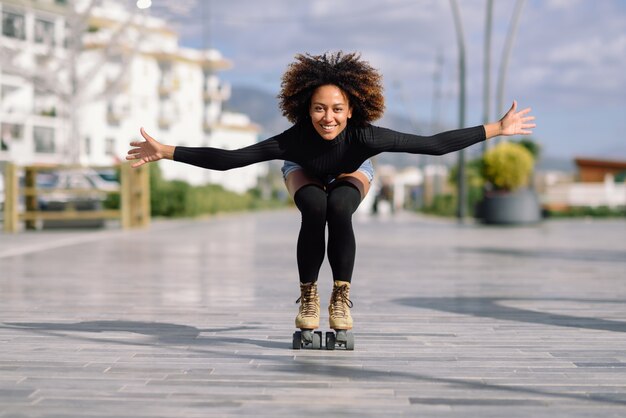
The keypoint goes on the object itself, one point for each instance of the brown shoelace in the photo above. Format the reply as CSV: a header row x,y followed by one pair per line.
x,y
339,299
308,298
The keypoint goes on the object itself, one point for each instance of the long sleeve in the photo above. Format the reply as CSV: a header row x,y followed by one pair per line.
x,y
386,140
221,159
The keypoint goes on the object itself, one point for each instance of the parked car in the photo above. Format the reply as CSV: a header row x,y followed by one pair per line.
x,y
78,189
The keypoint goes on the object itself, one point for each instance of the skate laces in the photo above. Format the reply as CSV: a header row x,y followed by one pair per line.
x,y
339,300
308,297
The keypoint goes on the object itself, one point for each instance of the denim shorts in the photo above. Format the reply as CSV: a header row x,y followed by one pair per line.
x,y
366,168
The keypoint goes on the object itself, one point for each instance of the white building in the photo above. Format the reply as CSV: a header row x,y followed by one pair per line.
x,y
31,129
130,72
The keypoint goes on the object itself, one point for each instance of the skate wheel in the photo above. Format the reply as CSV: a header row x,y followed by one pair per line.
x,y
349,341
342,336
316,343
330,340
297,340
307,336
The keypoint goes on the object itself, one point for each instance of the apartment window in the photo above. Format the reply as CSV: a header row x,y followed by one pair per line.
x,y
13,25
9,133
44,32
44,139
109,146
87,145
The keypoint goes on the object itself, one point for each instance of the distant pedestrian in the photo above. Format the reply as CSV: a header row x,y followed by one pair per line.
x,y
331,99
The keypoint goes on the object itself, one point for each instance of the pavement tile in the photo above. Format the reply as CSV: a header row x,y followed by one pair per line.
x,y
193,318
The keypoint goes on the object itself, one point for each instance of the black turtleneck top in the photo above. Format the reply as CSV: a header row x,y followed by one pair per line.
x,y
323,158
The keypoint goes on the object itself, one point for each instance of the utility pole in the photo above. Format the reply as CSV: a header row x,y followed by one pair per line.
x,y
506,53
487,68
462,192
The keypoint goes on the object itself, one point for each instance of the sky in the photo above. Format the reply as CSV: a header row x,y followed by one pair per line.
x,y
568,61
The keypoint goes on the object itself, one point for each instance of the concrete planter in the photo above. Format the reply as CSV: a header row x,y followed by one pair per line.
x,y
520,207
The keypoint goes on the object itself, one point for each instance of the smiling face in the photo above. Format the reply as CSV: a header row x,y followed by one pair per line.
x,y
329,111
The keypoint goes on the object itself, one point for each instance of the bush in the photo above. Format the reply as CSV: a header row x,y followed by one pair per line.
x,y
508,166
582,212
175,198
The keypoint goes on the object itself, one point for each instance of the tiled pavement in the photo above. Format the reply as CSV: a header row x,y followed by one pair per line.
x,y
194,319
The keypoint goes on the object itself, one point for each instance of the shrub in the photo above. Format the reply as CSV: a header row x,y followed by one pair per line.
x,y
508,166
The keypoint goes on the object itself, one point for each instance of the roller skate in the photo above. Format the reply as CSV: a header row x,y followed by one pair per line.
x,y
308,318
340,318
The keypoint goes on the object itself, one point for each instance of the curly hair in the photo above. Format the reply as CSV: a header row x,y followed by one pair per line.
x,y
356,78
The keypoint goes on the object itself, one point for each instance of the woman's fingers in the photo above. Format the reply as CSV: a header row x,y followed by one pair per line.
x,y
145,135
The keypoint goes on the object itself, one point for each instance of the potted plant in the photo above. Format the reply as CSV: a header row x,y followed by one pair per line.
x,y
508,200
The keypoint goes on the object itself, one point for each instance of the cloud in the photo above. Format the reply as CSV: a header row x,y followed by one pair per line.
x,y
567,53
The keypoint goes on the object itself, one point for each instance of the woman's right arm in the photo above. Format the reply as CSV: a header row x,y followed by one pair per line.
x,y
151,150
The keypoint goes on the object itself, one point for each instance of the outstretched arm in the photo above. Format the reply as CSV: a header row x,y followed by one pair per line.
x,y
149,150
512,123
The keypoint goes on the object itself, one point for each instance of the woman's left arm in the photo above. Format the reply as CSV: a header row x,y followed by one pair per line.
x,y
512,123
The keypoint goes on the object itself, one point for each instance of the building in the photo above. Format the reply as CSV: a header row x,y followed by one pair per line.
x,y
601,183
129,71
33,35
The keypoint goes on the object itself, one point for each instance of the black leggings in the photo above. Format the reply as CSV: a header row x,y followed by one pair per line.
x,y
318,207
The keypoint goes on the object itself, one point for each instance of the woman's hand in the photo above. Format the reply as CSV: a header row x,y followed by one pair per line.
x,y
512,123
148,151
517,123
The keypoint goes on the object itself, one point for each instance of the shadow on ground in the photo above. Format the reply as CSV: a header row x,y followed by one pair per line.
x,y
161,333
166,335
496,308
590,255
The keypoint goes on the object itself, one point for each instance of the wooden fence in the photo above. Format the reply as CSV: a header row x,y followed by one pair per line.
x,y
134,192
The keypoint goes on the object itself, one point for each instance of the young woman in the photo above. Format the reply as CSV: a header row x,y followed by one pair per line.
x,y
331,99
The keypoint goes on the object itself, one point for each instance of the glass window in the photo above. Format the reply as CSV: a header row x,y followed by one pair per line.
x,y
44,139
44,32
12,131
9,133
109,145
87,145
13,25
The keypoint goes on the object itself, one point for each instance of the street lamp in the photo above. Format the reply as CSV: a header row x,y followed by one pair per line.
x,y
462,193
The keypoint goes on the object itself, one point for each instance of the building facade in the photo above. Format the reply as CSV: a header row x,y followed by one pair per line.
x,y
128,71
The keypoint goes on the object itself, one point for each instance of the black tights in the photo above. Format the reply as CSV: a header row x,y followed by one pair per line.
x,y
318,207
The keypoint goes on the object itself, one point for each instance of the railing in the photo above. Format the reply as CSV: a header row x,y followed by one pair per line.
x,y
134,192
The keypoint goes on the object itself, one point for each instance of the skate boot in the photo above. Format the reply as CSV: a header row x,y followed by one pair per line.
x,y
308,318
340,318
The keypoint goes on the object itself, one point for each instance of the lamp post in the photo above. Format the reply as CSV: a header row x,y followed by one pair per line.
x,y
487,68
506,53
462,192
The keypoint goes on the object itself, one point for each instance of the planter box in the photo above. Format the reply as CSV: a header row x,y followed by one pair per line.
x,y
520,207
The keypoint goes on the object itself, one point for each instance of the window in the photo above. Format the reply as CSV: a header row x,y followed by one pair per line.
x,y
44,139
109,146
44,32
13,25
9,133
87,145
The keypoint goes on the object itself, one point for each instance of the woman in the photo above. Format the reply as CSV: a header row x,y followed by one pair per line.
x,y
331,99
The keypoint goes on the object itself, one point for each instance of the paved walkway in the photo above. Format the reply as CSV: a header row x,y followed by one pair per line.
x,y
194,319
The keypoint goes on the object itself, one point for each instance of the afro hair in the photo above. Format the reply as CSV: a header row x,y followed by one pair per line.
x,y
356,78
